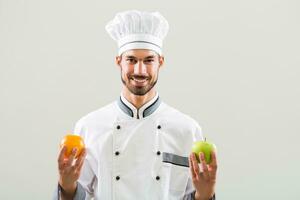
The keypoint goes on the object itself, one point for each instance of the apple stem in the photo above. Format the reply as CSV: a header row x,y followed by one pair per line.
x,y
205,139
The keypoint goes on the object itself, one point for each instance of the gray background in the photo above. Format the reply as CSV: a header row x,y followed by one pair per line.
x,y
232,65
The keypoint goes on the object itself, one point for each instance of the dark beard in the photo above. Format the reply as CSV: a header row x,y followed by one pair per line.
x,y
139,91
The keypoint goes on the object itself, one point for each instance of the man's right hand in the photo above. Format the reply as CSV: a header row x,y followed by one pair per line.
x,y
69,171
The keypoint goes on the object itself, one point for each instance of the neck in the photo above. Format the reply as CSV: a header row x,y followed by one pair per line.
x,y
136,100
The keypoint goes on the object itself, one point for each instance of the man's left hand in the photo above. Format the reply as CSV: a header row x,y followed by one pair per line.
x,y
204,179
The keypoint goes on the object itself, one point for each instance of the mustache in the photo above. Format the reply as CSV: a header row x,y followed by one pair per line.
x,y
139,76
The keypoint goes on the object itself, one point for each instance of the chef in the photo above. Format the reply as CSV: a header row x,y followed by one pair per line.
x,y
137,147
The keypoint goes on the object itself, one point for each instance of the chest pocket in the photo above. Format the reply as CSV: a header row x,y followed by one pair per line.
x,y
175,174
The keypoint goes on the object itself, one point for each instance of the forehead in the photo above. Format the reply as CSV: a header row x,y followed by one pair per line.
x,y
140,53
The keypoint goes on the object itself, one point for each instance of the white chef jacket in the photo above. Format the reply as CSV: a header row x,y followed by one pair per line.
x,y
136,153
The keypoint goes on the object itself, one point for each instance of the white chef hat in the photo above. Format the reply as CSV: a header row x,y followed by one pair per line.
x,y
138,30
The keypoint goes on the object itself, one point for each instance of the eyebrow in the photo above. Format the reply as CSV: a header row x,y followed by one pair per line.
x,y
148,57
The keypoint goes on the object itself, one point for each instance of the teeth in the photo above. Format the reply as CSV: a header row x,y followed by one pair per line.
x,y
139,80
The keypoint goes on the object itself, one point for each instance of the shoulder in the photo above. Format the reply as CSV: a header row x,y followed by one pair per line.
x,y
173,115
180,122
99,116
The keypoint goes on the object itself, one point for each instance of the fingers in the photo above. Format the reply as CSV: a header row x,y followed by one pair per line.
x,y
204,173
82,154
72,157
196,172
80,166
213,165
72,163
80,159
62,153
195,166
192,167
61,157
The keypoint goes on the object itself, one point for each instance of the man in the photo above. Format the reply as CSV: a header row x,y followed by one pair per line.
x,y
137,147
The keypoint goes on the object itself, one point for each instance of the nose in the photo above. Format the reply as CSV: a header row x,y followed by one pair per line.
x,y
140,68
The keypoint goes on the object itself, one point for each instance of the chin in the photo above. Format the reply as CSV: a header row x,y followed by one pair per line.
x,y
139,91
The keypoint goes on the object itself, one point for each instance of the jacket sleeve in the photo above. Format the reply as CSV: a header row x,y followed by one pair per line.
x,y
80,193
197,133
191,196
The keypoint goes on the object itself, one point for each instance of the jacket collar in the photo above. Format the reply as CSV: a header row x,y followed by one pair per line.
x,y
144,111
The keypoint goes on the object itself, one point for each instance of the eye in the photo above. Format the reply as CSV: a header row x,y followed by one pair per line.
x,y
131,60
149,61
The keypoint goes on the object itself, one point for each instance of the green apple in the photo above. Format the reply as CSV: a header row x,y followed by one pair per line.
x,y
205,147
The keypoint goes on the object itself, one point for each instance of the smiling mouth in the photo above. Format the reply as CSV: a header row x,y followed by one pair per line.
x,y
139,79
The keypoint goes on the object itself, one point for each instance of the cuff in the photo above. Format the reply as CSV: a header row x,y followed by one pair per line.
x,y
79,193
192,196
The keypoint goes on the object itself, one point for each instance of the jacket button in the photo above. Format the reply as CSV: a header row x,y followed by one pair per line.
x,y
117,178
159,127
117,153
118,127
157,178
158,153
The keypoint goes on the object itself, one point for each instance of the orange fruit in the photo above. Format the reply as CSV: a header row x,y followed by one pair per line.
x,y
72,141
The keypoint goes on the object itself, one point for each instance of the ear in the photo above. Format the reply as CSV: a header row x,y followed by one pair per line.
x,y
161,61
118,61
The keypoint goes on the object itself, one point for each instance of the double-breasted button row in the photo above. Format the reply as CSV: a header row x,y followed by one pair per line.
x,y
119,127
118,153
118,178
158,153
